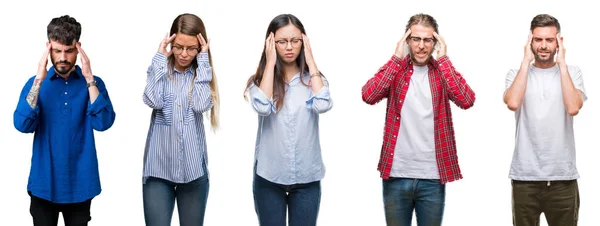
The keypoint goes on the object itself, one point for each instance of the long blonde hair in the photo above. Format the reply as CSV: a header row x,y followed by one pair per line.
x,y
191,24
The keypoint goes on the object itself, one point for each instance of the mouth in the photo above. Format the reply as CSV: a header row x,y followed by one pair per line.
x,y
182,61
289,55
421,54
543,53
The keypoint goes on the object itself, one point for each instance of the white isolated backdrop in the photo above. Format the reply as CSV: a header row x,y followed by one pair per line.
x,y
350,40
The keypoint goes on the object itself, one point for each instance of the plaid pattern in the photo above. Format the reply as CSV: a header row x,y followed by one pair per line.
x,y
391,82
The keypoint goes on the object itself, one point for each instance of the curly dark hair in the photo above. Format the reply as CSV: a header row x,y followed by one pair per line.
x,y
64,29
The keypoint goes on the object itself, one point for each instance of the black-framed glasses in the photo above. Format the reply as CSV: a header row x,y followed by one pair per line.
x,y
416,39
296,42
190,51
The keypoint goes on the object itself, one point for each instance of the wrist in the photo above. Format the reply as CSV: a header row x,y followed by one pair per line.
x,y
91,83
316,75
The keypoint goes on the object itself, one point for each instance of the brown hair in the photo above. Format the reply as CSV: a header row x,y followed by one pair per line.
x,y
191,24
422,19
544,20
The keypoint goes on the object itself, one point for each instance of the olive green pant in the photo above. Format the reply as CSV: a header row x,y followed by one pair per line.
x,y
558,200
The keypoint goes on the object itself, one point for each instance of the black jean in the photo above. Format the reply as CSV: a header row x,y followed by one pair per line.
x,y
45,213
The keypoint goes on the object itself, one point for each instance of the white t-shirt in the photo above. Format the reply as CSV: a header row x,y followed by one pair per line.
x,y
414,156
544,141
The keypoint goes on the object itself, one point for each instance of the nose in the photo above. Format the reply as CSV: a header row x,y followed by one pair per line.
x,y
63,56
544,44
288,46
421,44
184,53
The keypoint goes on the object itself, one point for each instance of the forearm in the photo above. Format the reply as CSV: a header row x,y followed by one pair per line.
x,y
458,90
571,96
315,78
32,96
156,74
266,83
378,87
93,91
513,97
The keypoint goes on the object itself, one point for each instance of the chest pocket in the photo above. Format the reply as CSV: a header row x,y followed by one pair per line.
x,y
164,116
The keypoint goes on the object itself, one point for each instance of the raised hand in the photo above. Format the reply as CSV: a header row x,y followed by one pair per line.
x,y
270,51
204,45
310,61
528,56
401,45
162,48
442,49
560,58
86,69
42,71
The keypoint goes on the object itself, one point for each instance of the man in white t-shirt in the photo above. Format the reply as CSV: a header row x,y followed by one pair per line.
x,y
545,96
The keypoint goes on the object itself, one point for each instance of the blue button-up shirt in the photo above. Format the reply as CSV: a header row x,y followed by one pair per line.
x,y
176,144
288,150
64,165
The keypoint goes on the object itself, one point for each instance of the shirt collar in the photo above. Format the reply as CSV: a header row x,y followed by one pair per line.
x,y
188,70
75,74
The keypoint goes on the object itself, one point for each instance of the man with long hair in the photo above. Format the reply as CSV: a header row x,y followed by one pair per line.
x,y
418,156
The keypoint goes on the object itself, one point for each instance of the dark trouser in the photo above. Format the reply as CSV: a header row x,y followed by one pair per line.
x,y
558,200
45,213
159,201
271,200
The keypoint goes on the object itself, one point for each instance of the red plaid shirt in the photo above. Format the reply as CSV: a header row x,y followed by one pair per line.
x,y
446,84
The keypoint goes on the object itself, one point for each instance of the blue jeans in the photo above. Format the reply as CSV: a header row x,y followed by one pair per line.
x,y
271,201
403,195
159,201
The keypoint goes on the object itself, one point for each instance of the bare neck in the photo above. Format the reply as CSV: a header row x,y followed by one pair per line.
x,y
289,70
544,65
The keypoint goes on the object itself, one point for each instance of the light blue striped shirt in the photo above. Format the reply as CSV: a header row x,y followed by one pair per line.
x,y
176,143
288,150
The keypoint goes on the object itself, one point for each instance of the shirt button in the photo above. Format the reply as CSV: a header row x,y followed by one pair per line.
x,y
179,105
180,120
65,93
66,82
397,118
65,103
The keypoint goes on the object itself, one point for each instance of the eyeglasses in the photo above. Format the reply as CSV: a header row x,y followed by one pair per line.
x,y
427,41
296,42
190,51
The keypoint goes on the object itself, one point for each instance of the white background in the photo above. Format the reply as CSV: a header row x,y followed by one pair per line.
x,y
350,42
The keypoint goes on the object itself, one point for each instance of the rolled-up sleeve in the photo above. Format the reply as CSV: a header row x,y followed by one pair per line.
x,y
25,117
321,101
263,105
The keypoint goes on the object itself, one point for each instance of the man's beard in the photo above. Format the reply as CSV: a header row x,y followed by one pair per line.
x,y
550,57
63,69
